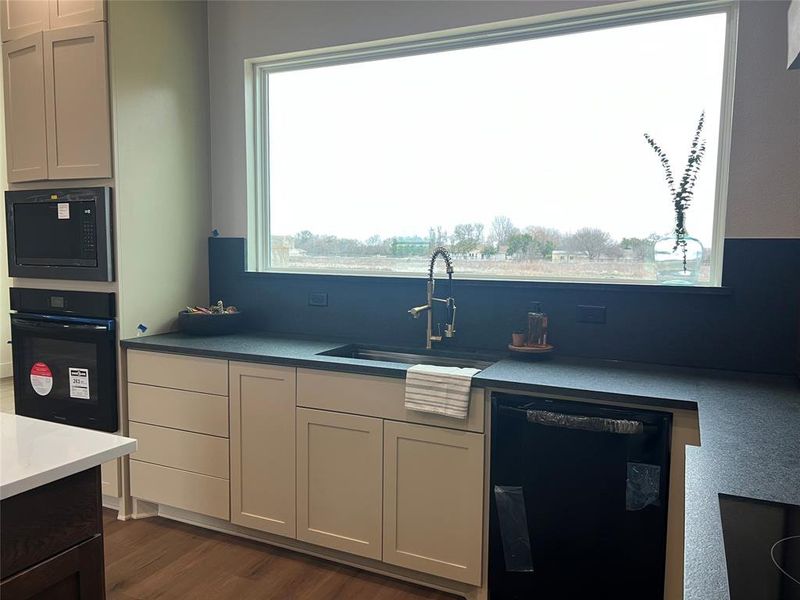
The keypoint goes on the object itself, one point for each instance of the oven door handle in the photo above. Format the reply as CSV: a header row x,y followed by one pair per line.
x,y
34,325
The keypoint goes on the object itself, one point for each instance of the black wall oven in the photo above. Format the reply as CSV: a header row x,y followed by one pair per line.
x,y
64,350
60,233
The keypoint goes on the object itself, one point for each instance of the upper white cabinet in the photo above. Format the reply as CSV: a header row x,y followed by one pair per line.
x,y
19,18
26,137
58,122
76,97
68,13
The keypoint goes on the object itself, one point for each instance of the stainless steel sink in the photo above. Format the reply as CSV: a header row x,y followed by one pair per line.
x,y
412,357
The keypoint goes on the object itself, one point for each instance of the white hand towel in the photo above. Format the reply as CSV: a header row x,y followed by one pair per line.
x,y
439,390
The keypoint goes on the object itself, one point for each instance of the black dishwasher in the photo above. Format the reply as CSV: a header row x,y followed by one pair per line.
x,y
578,500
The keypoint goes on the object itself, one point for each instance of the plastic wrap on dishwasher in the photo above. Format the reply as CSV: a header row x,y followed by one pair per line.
x,y
513,519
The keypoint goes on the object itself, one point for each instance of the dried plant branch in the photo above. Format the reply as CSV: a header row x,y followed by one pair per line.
x,y
683,194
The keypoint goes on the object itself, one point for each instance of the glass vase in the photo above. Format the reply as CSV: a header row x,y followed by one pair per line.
x,y
678,261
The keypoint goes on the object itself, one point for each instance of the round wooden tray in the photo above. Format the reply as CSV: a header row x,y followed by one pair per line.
x,y
531,349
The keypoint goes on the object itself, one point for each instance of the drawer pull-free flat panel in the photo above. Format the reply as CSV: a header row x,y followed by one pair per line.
x,y
382,397
195,452
433,500
190,491
179,409
339,473
192,373
263,447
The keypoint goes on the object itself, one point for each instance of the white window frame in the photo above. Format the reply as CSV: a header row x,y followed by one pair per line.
x,y
257,72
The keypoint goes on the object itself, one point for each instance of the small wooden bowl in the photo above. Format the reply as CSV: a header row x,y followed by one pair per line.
x,y
204,324
531,349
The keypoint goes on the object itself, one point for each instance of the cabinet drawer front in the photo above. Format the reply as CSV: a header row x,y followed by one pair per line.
x,y
179,409
190,491
433,500
339,474
382,397
191,373
195,452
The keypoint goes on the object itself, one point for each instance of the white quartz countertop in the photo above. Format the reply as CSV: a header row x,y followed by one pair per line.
x,y
34,452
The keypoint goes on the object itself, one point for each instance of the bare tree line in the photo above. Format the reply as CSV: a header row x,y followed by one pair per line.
x,y
502,237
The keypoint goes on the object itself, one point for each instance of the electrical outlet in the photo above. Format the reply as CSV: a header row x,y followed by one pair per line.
x,y
591,314
318,299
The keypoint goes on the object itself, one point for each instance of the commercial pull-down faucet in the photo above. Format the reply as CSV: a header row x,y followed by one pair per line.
x,y
449,302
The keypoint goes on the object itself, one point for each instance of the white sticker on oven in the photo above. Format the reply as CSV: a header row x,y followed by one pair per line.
x,y
79,383
41,378
63,210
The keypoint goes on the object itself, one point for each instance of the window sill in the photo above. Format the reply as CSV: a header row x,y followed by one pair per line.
x,y
627,287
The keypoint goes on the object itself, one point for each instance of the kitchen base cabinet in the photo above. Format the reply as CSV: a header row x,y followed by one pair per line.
x,y
339,475
179,413
52,541
75,574
433,500
262,413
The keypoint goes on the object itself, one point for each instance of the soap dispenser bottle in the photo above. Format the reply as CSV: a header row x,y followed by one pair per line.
x,y
537,325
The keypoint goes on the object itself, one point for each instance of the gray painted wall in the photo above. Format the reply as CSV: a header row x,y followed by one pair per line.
x,y
764,192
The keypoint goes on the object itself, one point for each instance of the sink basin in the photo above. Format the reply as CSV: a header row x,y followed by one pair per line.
x,y
412,356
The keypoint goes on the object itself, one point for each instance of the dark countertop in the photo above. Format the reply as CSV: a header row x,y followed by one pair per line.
x,y
597,380
749,424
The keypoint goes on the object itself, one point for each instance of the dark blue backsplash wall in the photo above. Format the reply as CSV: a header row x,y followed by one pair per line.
x,y
751,324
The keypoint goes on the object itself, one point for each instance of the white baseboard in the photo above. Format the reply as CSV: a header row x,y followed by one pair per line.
x,y
6,370
144,510
110,502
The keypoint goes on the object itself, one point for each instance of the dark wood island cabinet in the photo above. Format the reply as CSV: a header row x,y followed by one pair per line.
x,y
52,541
51,522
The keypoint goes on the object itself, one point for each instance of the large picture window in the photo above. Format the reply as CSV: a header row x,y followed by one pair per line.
x,y
525,154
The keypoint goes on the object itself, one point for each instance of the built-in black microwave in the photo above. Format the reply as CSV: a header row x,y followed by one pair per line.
x,y
60,234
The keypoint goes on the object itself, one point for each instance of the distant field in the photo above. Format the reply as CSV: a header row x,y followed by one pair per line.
x,y
623,270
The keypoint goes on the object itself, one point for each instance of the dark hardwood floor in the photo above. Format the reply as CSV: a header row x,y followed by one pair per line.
x,y
158,558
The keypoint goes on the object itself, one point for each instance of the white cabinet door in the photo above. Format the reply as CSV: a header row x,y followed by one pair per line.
x,y
26,134
68,13
339,472
77,102
262,409
433,500
19,18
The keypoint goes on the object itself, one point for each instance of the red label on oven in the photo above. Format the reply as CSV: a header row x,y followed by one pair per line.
x,y
41,379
